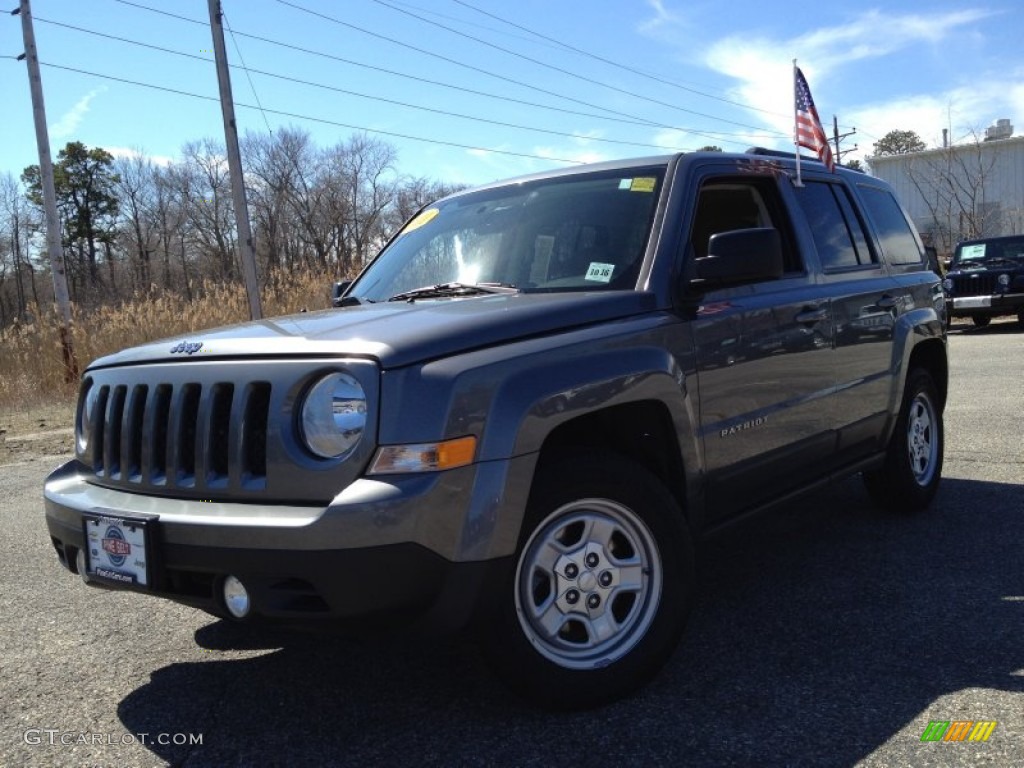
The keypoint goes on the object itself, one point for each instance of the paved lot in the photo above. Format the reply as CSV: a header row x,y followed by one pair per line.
x,y
827,634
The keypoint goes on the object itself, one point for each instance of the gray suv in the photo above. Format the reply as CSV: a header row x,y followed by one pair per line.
x,y
524,413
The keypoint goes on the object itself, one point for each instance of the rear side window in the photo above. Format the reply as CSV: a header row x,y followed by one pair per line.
x,y
838,233
899,245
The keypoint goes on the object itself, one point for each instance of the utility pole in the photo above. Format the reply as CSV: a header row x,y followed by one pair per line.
x,y
836,136
227,107
54,247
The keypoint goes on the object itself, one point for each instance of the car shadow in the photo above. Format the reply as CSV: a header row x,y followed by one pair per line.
x,y
822,631
1006,325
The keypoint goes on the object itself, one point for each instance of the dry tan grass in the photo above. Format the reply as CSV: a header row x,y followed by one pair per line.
x,y
31,363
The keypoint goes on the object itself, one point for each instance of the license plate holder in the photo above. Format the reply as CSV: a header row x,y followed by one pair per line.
x,y
119,548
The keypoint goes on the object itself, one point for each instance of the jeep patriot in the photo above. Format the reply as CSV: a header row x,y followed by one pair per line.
x,y
523,413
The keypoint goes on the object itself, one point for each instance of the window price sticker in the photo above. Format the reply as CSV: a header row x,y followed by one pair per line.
x,y
600,273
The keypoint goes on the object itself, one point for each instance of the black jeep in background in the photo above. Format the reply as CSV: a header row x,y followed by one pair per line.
x,y
986,279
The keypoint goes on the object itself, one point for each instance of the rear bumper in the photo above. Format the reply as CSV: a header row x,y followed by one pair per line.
x,y
379,554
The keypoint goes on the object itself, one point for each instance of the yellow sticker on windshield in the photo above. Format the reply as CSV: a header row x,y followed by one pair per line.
x,y
420,220
643,184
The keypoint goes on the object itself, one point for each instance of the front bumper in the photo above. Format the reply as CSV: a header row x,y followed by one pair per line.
x,y
418,549
985,306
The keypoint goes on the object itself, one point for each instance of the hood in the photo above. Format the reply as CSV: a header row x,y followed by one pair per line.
x,y
395,333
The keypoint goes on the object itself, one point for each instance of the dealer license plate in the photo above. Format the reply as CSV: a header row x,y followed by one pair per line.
x,y
118,549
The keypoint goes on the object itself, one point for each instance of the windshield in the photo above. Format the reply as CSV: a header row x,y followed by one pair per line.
x,y
1009,248
585,232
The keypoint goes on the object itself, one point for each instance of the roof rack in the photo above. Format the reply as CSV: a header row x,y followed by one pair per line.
x,y
779,153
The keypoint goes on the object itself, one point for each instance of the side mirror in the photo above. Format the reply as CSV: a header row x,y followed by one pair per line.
x,y
740,256
932,257
338,292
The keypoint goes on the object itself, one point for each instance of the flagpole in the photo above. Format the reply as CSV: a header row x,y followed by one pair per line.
x,y
796,141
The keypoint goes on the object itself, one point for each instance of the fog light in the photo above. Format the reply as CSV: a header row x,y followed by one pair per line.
x,y
236,597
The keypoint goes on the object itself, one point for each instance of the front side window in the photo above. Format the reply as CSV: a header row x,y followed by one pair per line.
x,y
569,233
728,204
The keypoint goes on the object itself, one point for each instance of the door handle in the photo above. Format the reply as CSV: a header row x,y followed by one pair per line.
x,y
811,315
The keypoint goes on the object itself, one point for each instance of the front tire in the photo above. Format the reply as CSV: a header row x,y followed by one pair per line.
x,y
981,321
602,585
909,478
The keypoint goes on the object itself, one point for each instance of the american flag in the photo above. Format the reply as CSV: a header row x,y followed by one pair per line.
x,y
809,132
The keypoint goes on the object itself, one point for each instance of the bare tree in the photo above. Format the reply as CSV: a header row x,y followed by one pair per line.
x,y
136,190
205,189
954,182
367,174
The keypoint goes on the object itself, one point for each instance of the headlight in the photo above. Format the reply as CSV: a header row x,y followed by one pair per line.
x,y
333,416
947,285
1003,280
86,416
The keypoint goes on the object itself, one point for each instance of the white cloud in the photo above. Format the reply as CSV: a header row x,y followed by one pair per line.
x,y
763,68
661,19
965,112
161,160
68,123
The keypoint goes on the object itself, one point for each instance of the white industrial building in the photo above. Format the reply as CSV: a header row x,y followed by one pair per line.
x,y
961,191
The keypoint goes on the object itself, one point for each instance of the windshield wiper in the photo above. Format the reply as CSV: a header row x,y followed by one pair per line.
x,y
444,290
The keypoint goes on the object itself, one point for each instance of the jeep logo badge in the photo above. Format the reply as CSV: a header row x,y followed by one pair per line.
x,y
187,347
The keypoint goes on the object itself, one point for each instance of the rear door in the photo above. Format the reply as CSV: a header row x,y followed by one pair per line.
x,y
865,302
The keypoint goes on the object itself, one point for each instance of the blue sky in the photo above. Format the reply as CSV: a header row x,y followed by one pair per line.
x,y
526,86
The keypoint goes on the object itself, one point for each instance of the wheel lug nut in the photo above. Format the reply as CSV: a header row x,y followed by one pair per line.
x,y
605,578
571,571
593,601
572,597
592,560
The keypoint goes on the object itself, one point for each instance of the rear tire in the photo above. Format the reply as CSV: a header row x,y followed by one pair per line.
x,y
981,320
601,589
909,478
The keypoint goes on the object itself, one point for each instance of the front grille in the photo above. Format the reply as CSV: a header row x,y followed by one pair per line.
x,y
184,436
975,285
216,430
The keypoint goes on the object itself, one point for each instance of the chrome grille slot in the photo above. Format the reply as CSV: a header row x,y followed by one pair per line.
x,y
133,425
185,434
158,427
112,441
217,451
99,419
253,435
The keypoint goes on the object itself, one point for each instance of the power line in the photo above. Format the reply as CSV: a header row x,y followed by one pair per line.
x,y
563,71
617,64
310,118
248,77
357,94
416,78
708,134
503,78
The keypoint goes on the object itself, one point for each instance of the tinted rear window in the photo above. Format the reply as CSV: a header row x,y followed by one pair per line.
x,y
899,245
